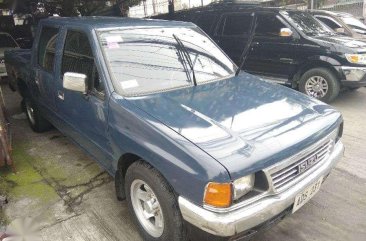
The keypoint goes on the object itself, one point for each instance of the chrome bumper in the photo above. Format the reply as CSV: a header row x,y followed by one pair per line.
x,y
354,73
234,222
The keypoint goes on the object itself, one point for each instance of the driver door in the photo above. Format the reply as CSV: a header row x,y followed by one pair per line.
x,y
272,55
85,116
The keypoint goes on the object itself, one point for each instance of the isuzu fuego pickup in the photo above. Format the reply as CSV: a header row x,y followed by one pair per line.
x,y
199,149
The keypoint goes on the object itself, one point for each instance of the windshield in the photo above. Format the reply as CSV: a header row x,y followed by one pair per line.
x,y
307,23
148,60
7,42
354,22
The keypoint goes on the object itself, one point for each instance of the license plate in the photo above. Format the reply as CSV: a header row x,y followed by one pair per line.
x,y
306,195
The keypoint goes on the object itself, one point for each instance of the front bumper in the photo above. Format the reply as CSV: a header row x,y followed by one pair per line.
x,y
353,76
227,224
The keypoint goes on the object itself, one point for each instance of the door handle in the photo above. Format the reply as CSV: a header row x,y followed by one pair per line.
x,y
286,60
60,95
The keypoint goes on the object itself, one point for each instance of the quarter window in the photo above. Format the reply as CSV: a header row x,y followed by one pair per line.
x,y
78,58
47,48
237,24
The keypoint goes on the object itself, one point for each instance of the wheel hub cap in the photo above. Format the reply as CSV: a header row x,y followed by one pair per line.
x,y
316,87
30,113
147,208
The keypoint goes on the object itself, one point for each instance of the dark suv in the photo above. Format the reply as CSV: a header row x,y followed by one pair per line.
x,y
289,47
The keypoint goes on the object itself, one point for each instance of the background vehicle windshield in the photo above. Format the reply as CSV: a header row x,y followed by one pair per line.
x,y
307,23
354,23
148,60
6,41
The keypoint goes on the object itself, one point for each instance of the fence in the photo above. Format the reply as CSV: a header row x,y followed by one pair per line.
x,y
354,7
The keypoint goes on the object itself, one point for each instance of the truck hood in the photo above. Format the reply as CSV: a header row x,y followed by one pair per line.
x,y
243,122
341,43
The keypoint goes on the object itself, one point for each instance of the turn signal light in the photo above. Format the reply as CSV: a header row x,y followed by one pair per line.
x,y
218,194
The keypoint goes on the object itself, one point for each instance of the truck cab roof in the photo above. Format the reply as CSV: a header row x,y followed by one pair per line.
x,y
111,22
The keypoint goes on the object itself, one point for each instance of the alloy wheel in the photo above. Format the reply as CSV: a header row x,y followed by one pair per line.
x,y
30,112
317,87
147,208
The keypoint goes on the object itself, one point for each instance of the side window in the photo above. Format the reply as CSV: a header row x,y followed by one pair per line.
x,y
205,22
47,48
237,24
330,23
269,25
78,58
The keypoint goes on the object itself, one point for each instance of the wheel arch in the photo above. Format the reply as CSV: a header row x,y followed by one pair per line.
x,y
316,63
124,162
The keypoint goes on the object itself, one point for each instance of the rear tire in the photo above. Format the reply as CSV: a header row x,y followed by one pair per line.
x,y
35,119
166,222
320,83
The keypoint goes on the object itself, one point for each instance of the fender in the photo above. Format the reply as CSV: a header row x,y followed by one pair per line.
x,y
134,132
317,61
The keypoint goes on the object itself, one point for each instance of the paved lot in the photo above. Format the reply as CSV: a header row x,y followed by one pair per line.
x,y
73,199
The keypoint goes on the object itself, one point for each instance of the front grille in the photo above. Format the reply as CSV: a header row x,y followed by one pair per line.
x,y
284,176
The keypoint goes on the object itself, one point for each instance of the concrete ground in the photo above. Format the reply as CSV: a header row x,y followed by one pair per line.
x,y
72,198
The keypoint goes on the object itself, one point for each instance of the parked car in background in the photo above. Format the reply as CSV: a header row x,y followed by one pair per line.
x,y
7,23
342,23
21,33
289,47
197,147
6,42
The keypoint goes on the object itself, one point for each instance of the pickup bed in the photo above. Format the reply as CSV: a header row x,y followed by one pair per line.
x,y
17,66
197,148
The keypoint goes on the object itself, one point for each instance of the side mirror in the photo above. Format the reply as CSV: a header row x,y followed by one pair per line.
x,y
286,32
340,30
75,82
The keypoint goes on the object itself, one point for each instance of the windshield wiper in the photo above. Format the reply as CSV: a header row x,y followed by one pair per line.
x,y
186,55
246,50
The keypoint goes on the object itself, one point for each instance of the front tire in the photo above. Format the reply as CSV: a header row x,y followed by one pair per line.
x,y
320,83
152,204
35,119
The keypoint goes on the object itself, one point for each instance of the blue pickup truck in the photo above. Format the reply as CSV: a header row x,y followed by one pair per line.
x,y
198,149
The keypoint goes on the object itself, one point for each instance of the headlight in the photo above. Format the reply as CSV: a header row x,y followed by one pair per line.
x,y
356,58
221,195
337,133
334,135
242,186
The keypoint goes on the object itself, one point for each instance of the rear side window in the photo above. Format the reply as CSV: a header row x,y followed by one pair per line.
x,y
330,23
47,48
269,25
237,24
78,58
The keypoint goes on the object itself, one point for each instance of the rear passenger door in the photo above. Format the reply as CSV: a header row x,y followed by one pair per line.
x,y
232,33
272,55
44,79
84,116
